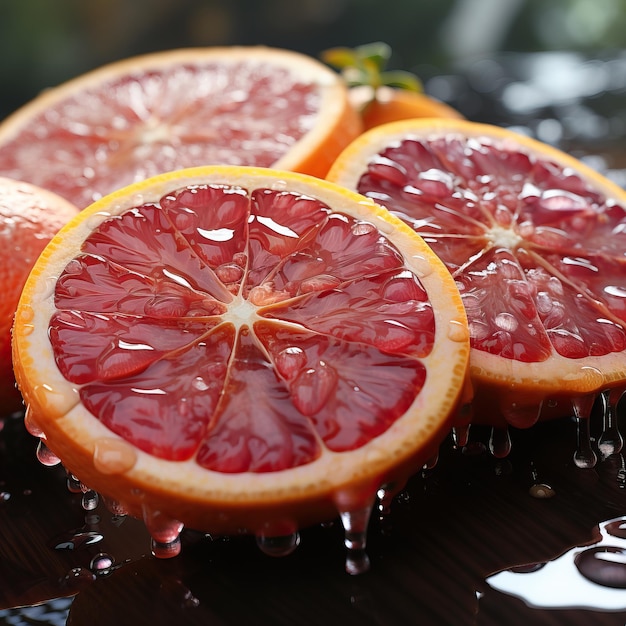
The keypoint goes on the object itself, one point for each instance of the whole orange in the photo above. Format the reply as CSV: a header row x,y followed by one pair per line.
x,y
29,217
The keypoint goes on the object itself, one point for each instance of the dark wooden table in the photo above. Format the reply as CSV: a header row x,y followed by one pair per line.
x,y
471,516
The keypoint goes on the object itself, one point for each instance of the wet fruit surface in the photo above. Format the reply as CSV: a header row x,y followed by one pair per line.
x,y
318,316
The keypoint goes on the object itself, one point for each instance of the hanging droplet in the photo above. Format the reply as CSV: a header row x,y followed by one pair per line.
x,y
500,442
166,550
90,500
604,565
460,435
73,484
355,539
45,456
610,441
278,546
584,456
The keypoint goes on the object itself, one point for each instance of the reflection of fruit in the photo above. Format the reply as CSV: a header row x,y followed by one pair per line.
x,y
239,348
380,95
535,241
29,217
142,116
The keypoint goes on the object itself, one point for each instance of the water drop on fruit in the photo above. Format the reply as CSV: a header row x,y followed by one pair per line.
x,y
162,529
45,456
279,545
421,266
457,331
603,565
31,425
113,456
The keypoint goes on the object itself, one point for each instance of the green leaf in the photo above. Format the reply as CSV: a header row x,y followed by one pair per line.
x,y
401,80
340,58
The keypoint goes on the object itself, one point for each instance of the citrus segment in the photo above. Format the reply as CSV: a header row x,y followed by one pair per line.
x,y
534,240
261,344
141,116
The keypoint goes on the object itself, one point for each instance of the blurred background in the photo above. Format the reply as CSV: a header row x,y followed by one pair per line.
x,y
554,68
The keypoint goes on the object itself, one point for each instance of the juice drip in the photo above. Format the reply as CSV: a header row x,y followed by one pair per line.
x,y
278,546
500,442
584,456
165,550
165,534
610,441
45,456
355,539
460,435
89,500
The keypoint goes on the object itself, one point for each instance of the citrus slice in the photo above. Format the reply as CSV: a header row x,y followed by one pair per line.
x,y
29,218
535,241
239,348
138,117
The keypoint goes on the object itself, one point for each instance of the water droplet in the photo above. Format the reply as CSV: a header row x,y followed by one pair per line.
x,y
78,578
279,545
290,361
604,565
355,539
93,222
500,442
90,500
102,564
457,331
162,528
73,484
584,456
610,441
5,496
541,491
421,266
45,456
165,550
113,456
31,425
460,435
362,228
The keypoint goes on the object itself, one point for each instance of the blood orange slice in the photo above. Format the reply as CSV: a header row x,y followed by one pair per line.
x,y
150,114
239,348
535,241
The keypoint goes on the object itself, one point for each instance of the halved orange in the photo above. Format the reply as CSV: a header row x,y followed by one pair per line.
x,y
239,348
145,115
535,241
